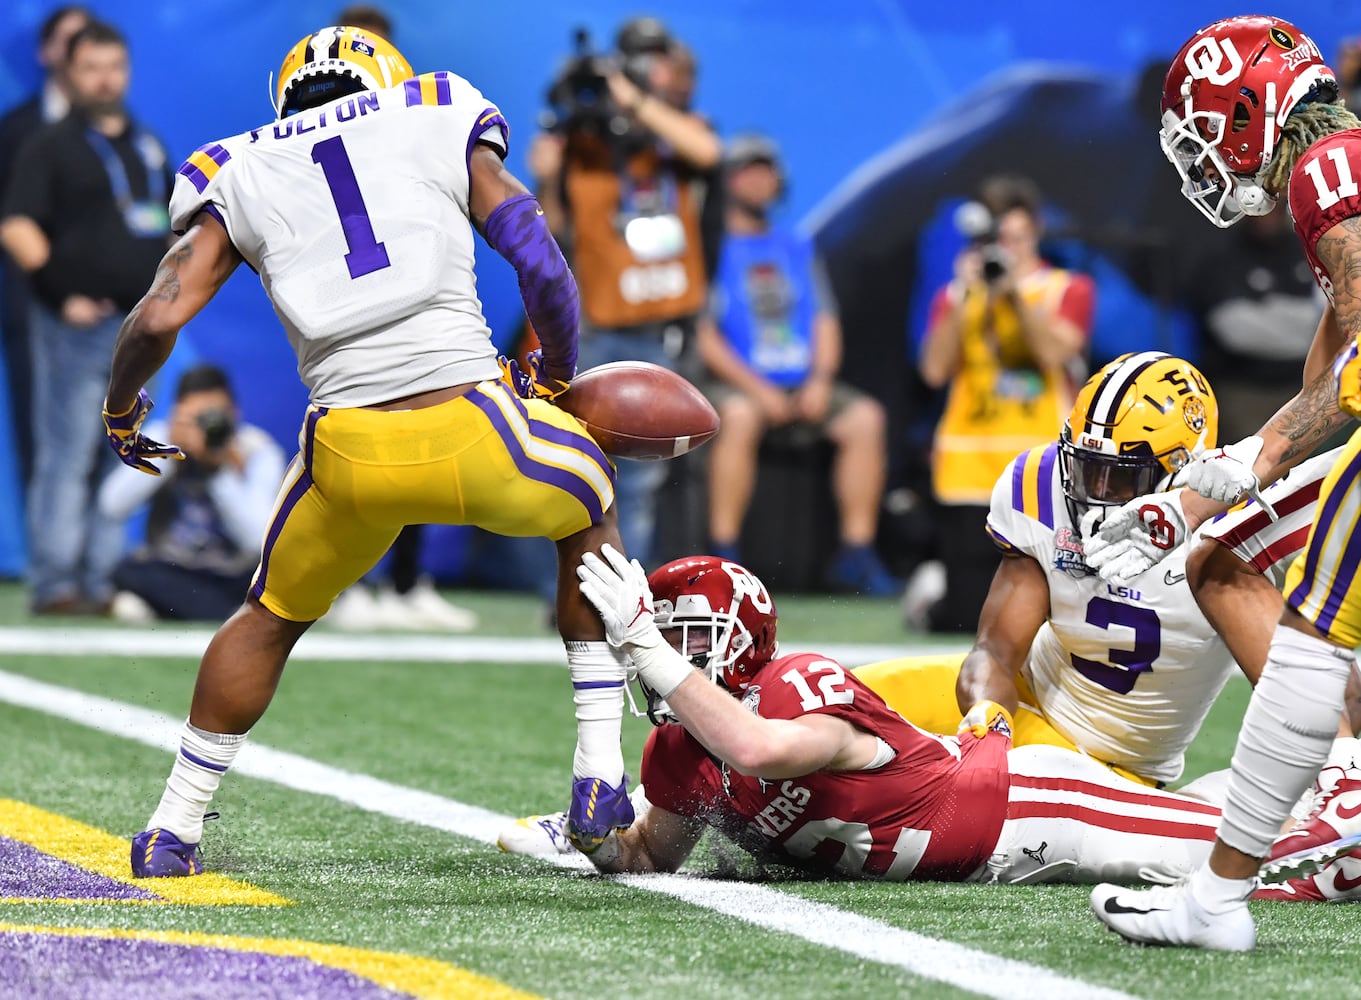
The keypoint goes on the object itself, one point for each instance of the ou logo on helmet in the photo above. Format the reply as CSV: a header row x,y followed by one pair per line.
x,y
746,585
1214,60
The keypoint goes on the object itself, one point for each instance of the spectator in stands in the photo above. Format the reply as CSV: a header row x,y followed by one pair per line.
x,y
48,105
1006,339
622,186
773,348
208,513
1258,306
85,217
395,595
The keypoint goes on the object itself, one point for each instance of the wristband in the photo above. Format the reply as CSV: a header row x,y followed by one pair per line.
x,y
660,667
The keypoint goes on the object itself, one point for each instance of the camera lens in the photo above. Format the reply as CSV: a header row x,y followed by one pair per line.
x,y
217,428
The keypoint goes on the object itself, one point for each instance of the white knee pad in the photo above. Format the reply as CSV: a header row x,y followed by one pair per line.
x,y
1287,733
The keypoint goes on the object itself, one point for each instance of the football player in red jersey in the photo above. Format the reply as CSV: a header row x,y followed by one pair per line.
x,y
798,761
1250,114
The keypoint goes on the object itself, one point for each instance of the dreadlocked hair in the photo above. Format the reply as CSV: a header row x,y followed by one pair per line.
x,y
1306,125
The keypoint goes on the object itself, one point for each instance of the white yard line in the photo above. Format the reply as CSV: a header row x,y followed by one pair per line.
x,y
331,646
931,958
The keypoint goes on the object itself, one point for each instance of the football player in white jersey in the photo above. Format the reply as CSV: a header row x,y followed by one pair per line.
x,y
1123,673
356,207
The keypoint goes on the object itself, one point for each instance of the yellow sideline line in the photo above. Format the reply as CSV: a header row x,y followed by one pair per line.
x,y
104,854
411,974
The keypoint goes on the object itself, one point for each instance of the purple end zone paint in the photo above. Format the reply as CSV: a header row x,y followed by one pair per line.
x,y
94,968
28,873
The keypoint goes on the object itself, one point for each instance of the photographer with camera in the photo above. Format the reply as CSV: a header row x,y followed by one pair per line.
x,y
207,515
1006,339
623,172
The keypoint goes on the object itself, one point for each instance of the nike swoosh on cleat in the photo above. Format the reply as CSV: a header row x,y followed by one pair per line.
x,y
1344,884
1345,813
1116,908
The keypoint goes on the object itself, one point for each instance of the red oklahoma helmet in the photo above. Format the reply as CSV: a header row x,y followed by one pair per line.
x,y
1226,95
726,615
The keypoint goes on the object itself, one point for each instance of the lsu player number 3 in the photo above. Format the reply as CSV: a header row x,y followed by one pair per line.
x,y
1124,673
356,207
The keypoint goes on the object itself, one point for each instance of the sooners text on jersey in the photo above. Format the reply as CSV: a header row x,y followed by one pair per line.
x,y
934,810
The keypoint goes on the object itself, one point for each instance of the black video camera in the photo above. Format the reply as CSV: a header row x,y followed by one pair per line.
x,y
579,98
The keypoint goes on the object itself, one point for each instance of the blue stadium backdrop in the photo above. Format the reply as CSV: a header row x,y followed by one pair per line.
x,y
874,102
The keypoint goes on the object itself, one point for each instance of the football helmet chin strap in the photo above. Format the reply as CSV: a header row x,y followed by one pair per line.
x,y
1252,198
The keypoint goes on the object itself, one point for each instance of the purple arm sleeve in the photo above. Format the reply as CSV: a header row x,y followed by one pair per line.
x,y
517,231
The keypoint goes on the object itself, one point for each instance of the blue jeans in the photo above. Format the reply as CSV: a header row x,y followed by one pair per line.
x,y
72,548
635,491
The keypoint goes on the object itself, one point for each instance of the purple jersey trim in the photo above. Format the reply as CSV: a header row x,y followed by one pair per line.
x,y
591,685
196,176
489,117
1018,483
1044,488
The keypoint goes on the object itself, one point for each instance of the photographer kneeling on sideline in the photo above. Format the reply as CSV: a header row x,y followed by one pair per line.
x,y
207,515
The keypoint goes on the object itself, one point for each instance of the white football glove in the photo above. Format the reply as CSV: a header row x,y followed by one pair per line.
x,y
1134,538
618,589
1225,474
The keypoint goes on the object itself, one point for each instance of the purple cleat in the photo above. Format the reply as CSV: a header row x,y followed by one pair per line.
x,y
597,811
160,854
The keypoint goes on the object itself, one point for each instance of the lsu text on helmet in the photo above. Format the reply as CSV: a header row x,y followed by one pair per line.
x,y
333,62
720,617
1226,96
1135,423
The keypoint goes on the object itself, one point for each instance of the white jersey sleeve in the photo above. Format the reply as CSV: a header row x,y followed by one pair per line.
x,y
1126,673
1269,546
356,216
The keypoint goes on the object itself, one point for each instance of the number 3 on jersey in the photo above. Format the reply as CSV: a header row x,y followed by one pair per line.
x,y
366,253
1125,665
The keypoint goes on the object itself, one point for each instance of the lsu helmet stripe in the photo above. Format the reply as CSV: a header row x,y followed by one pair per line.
x,y
1111,393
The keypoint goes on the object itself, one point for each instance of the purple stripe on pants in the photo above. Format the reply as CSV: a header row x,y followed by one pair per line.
x,y
295,494
1322,522
568,482
583,443
1345,572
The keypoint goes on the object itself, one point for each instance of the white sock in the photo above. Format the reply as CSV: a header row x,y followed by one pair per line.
x,y
1287,733
598,676
202,760
1216,894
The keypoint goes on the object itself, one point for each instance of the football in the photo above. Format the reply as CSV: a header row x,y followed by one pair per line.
x,y
638,410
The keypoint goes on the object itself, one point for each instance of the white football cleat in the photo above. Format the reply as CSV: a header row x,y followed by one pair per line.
x,y
536,835
420,609
1171,915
